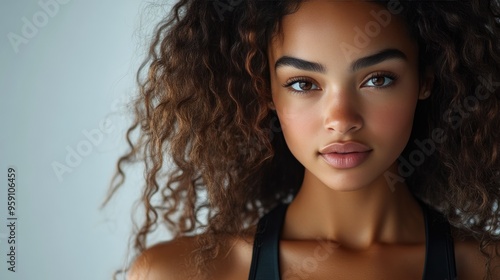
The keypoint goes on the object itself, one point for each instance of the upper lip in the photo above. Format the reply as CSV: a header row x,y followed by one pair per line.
x,y
344,147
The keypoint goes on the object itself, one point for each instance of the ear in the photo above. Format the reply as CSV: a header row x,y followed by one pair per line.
x,y
271,106
426,84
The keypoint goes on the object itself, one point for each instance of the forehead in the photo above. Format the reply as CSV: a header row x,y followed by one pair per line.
x,y
345,30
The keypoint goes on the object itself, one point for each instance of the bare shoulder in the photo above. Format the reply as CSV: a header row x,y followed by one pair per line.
x,y
170,260
471,263
166,261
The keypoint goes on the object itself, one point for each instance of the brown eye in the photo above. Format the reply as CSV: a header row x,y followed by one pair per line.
x,y
381,80
305,85
302,86
378,81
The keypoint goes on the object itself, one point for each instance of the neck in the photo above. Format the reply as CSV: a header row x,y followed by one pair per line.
x,y
357,219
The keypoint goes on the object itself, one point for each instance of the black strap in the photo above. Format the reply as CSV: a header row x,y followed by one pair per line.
x,y
265,258
439,256
440,251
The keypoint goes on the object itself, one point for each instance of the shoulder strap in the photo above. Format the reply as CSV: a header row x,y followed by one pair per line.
x,y
439,260
440,252
265,257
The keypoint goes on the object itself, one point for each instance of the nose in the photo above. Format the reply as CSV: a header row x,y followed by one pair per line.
x,y
342,112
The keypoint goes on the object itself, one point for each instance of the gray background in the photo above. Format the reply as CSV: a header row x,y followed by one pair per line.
x,y
70,78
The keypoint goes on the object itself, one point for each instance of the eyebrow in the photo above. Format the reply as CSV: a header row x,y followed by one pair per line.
x,y
355,66
299,64
377,58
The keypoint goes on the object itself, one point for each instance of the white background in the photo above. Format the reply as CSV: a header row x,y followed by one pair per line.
x,y
72,75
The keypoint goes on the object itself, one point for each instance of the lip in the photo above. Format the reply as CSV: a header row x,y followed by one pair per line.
x,y
344,147
345,155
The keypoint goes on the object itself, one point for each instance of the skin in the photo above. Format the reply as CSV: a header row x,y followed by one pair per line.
x,y
375,230
347,106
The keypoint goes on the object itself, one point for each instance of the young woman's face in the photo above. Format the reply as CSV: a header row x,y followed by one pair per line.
x,y
345,84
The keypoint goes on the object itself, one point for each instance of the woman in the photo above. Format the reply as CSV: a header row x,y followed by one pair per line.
x,y
365,131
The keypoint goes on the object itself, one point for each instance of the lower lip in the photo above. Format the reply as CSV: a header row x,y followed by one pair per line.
x,y
348,160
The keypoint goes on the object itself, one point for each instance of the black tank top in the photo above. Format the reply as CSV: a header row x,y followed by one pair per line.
x,y
439,255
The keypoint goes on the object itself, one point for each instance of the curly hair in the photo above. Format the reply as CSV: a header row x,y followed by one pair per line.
x,y
213,150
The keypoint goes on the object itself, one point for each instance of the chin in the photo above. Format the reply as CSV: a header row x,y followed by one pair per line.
x,y
346,185
346,189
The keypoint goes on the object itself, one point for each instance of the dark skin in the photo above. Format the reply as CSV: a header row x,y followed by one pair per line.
x,y
168,261
374,230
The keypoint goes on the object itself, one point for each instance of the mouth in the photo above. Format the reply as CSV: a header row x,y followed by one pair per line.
x,y
345,155
344,148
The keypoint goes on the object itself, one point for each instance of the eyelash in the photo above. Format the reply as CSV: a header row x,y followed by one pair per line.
x,y
389,75
295,80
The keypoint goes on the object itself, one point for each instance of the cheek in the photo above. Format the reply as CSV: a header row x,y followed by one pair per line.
x,y
297,115
394,124
298,127
297,124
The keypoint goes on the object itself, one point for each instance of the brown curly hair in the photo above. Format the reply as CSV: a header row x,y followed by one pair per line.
x,y
213,150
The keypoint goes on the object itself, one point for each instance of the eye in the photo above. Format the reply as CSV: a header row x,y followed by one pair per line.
x,y
380,80
300,85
